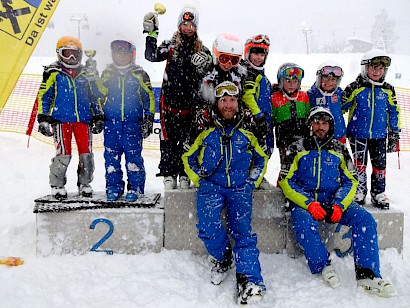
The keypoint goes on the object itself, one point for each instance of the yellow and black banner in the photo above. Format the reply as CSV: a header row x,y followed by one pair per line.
x,y
22,22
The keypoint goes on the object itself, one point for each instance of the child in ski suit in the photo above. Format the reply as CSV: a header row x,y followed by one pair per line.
x,y
319,179
325,92
290,106
129,110
226,163
66,107
373,115
179,89
257,92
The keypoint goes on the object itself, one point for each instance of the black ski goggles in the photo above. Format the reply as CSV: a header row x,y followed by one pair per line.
x,y
120,45
376,61
320,117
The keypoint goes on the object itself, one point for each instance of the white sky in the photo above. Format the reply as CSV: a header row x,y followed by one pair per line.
x,y
283,21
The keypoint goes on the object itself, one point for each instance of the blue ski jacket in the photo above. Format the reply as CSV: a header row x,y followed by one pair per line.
x,y
67,99
331,101
128,96
373,109
315,171
226,156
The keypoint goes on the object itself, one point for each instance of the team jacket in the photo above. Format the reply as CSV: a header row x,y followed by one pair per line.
x,y
332,102
181,81
373,109
128,96
318,172
64,98
229,157
289,116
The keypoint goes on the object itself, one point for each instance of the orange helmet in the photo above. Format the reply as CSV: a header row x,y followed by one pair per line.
x,y
257,43
69,51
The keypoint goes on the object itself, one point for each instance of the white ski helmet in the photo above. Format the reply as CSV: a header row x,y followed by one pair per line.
x,y
327,68
226,44
289,71
375,57
321,113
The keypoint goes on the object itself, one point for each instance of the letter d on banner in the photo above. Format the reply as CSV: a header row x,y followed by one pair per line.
x,y
23,23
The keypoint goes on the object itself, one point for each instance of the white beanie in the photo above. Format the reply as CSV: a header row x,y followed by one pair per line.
x,y
188,14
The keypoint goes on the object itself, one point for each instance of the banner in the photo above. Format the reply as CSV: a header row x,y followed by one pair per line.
x,y
22,22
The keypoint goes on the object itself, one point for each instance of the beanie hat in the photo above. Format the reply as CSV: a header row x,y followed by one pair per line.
x,y
188,14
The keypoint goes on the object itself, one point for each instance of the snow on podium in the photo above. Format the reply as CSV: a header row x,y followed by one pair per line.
x,y
79,225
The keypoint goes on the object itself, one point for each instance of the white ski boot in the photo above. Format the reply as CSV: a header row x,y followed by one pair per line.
x,y
378,286
330,276
219,270
184,182
170,182
381,201
264,185
59,192
247,291
85,190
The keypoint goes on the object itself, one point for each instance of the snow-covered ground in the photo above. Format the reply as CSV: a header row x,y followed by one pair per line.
x,y
170,278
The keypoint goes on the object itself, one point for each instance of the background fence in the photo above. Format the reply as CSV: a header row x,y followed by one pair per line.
x,y
17,114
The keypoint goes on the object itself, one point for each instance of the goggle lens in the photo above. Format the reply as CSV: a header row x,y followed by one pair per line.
x,y
321,117
385,61
226,58
121,46
70,53
292,72
260,39
226,89
335,70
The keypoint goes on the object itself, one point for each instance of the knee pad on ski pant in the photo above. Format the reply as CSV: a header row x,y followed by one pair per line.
x,y
85,169
58,168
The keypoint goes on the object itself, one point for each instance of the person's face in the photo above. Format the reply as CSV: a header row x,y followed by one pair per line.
x,y
226,67
290,85
187,28
122,57
376,72
320,128
328,83
228,106
257,58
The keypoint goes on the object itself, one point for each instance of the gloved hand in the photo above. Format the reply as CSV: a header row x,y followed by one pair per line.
x,y
147,125
150,23
200,58
91,70
202,118
337,213
393,142
316,210
98,125
262,125
45,129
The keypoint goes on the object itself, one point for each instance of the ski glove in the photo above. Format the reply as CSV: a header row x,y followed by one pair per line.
x,y
150,23
147,125
337,213
202,118
200,58
316,210
393,142
45,129
98,125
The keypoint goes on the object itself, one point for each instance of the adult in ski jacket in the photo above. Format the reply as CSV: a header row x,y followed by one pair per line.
x,y
179,89
319,180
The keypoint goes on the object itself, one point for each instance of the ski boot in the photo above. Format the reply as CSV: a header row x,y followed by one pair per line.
x,y
184,182
380,201
378,286
219,270
360,198
170,182
85,190
330,276
264,185
58,192
247,291
132,196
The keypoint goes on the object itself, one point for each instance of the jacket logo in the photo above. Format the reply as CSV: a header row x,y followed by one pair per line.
x,y
16,15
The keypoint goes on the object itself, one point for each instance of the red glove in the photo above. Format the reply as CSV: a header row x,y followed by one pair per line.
x,y
316,210
337,213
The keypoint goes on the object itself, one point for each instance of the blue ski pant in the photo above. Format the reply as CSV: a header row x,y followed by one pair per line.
x,y
123,137
364,238
376,148
211,199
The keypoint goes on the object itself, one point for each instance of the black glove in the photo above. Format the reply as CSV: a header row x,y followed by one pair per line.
x,y
150,23
202,118
147,125
45,129
98,125
393,142
262,126
200,59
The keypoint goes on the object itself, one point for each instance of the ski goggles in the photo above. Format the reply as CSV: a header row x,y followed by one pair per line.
x,y
328,70
375,62
120,45
68,53
292,72
227,88
320,117
259,39
225,58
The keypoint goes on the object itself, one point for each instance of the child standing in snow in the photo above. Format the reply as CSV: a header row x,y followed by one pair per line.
x,y
129,115
373,115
